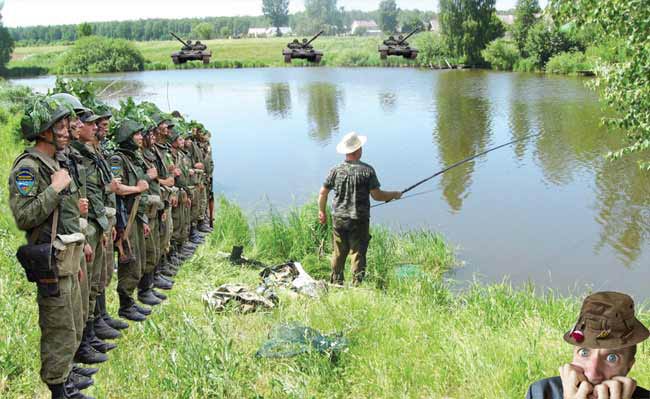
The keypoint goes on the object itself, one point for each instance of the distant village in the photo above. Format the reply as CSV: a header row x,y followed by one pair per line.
x,y
359,28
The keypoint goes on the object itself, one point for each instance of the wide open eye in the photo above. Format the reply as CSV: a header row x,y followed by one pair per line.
x,y
583,352
612,358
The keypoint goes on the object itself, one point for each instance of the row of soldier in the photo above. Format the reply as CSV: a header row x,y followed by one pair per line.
x,y
87,204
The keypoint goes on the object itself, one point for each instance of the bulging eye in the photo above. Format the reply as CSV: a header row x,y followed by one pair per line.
x,y
583,352
612,358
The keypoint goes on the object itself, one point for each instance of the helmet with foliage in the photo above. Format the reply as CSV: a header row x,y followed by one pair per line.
x,y
102,110
40,115
71,100
126,129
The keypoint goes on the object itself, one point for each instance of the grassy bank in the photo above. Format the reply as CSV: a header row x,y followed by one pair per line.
x,y
240,53
408,337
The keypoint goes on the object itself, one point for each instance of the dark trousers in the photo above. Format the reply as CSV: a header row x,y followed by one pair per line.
x,y
351,236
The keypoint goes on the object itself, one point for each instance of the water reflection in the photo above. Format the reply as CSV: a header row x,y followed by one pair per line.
x,y
324,100
278,100
462,130
388,101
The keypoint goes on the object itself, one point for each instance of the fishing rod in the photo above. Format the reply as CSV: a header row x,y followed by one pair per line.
x,y
454,166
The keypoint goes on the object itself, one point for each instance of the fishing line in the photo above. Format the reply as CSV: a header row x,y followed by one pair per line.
x,y
452,167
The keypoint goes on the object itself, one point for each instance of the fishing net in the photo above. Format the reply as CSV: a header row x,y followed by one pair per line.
x,y
291,339
405,272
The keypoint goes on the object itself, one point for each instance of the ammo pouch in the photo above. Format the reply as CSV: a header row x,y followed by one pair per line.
x,y
69,250
39,262
154,204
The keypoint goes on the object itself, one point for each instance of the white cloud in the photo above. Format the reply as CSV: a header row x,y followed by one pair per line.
x,y
54,12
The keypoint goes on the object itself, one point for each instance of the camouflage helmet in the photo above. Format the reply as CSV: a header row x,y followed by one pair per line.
x,y
41,116
127,129
176,132
103,111
71,101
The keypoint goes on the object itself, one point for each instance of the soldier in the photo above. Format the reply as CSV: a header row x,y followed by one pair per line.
x,y
353,183
604,340
99,181
193,153
91,349
104,153
44,200
181,212
154,208
203,145
132,225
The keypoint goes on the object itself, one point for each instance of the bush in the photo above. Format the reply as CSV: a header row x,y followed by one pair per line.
x,y
568,63
526,65
501,54
98,54
544,41
434,49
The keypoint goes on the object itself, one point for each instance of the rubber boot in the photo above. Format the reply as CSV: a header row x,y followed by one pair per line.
x,y
128,309
95,342
113,323
86,353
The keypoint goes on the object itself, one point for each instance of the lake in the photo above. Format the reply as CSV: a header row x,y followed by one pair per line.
x,y
550,210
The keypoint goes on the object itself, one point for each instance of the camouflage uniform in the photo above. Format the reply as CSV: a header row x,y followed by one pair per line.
x,y
352,182
167,193
128,165
182,212
32,201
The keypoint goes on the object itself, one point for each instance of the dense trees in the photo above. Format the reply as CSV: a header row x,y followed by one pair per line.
x,y
525,18
84,29
324,15
6,47
277,11
204,31
388,13
469,25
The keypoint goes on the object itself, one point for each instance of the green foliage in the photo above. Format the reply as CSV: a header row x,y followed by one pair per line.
x,y
623,85
524,19
434,49
225,31
84,30
203,31
568,63
546,40
96,55
6,47
412,23
526,65
277,12
469,26
501,54
388,13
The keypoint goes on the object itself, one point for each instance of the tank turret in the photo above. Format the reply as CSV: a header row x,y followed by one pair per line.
x,y
302,50
191,52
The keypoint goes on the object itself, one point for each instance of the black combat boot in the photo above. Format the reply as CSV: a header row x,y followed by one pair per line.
x,y
85,371
128,309
196,237
70,391
86,353
142,310
104,331
159,295
57,391
80,382
160,282
144,290
95,342
204,225
113,323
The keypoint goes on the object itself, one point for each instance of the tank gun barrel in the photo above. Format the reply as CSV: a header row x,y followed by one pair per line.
x,y
315,37
178,38
409,35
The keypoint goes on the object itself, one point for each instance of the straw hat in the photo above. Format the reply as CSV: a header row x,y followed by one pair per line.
x,y
350,143
607,321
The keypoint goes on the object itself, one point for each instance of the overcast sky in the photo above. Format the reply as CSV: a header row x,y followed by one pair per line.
x,y
55,12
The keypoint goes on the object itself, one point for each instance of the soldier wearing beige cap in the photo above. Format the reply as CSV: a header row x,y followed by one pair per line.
x,y
353,183
605,338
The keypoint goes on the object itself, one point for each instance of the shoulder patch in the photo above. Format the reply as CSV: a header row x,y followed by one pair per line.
x,y
116,165
25,180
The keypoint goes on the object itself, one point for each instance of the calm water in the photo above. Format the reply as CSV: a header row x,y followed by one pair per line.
x,y
549,210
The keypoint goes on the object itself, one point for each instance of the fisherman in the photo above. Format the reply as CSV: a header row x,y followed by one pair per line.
x,y
127,164
45,202
104,153
604,340
353,183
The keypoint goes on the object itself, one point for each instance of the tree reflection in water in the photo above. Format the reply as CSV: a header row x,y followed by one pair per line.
x,y
278,100
324,100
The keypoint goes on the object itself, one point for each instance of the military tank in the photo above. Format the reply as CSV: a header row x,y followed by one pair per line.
x,y
302,50
191,52
398,47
